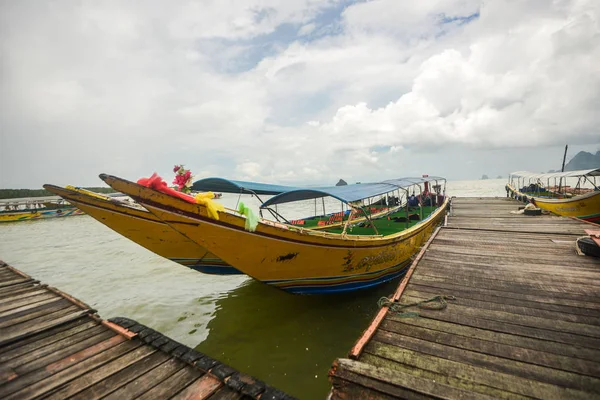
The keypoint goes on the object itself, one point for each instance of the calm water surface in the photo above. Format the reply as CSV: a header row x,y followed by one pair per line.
x,y
287,340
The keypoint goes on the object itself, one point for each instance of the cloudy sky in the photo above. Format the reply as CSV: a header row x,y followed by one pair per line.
x,y
302,91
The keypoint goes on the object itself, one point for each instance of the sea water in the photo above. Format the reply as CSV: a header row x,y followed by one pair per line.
x,y
287,340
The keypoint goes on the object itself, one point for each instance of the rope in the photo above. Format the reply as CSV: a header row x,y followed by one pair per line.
x,y
439,303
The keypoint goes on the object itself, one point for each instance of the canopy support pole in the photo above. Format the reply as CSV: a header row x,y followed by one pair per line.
x,y
370,221
276,214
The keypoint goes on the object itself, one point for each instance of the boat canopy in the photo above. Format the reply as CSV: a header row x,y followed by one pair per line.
x,y
229,186
552,175
349,193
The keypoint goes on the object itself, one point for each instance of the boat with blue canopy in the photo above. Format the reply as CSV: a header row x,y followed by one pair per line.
x,y
369,239
571,193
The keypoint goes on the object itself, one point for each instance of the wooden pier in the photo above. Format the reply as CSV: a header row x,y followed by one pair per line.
x,y
523,322
56,347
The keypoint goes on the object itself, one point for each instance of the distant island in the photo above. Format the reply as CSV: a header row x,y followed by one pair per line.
x,y
484,177
584,160
21,193
341,182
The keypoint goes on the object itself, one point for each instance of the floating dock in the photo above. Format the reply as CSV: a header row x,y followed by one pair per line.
x,y
56,347
522,314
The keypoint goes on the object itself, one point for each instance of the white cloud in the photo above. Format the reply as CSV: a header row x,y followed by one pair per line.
x,y
307,29
412,20
131,88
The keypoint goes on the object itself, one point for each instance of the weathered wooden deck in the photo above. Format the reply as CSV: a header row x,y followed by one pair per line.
x,y
56,347
525,322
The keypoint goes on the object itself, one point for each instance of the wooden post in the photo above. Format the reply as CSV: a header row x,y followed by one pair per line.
x,y
563,167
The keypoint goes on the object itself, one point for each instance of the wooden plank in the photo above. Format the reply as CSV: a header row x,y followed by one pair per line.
x,y
40,310
348,385
42,340
202,388
12,334
517,278
57,365
177,382
536,289
512,352
18,287
484,304
226,393
399,384
122,377
465,375
95,375
569,291
538,297
529,320
6,274
28,300
23,294
147,381
76,365
50,335
462,378
493,363
26,309
60,349
15,281
553,271
465,293
20,357
558,256
514,259
16,271
504,338
504,327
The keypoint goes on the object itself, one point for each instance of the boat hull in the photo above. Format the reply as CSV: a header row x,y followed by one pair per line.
x,y
143,228
585,207
292,259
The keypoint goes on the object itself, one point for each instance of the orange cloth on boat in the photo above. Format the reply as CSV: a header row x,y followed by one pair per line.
x,y
157,183
211,207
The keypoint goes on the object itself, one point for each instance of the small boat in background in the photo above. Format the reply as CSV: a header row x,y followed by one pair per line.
x,y
552,193
14,211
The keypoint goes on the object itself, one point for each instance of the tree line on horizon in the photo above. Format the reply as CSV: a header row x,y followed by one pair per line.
x,y
20,193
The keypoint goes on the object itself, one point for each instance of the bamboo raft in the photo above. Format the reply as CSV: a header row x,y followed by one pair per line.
x,y
525,321
56,347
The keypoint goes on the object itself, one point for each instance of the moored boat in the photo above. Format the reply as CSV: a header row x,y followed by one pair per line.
x,y
552,193
33,210
360,251
142,227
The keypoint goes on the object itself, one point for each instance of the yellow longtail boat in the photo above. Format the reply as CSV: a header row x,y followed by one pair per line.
x,y
550,192
347,256
142,227
34,210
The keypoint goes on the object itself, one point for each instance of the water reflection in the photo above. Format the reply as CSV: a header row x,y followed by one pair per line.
x,y
288,340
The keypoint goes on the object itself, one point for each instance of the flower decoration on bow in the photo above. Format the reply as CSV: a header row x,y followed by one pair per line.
x,y
183,178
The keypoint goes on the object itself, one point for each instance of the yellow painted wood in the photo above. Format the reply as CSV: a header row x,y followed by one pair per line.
x,y
138,225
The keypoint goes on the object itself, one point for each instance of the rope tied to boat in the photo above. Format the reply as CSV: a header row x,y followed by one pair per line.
x,y
435,303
